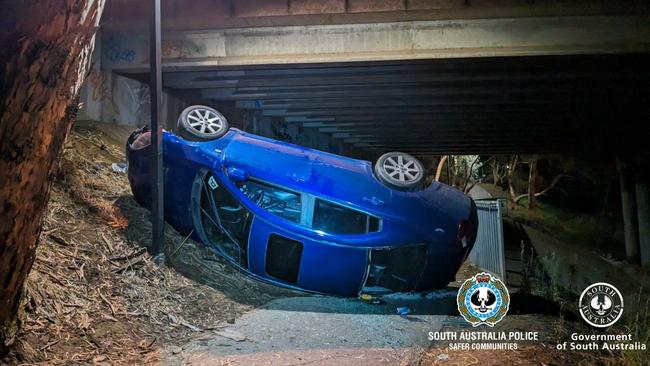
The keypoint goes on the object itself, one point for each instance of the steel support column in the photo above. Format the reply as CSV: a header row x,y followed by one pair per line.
x,y
155,85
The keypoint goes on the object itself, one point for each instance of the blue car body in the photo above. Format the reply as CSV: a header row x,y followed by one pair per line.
x,y
307,219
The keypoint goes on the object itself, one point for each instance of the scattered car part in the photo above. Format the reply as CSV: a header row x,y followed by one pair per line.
x,y
403,311
120,167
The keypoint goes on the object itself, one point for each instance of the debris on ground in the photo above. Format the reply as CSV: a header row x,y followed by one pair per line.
x,y
94,295
403,311
121,167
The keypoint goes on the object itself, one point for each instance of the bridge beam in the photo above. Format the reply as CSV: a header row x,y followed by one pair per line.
x,y
127,50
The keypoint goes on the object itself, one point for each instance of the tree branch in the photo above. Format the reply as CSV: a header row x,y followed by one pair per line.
x,y
555,181
441,164
469,173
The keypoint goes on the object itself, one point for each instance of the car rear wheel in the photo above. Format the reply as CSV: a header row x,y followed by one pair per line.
x,y
400,170
203,122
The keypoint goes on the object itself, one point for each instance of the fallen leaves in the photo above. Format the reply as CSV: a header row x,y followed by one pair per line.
x,y
94,295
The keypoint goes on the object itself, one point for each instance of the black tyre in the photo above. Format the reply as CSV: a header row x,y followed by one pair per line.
x,y
400,170
203,122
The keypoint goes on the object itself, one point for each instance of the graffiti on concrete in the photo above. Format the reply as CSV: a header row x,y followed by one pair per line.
x,y
140,100
96,79
181,48
115,52
100,91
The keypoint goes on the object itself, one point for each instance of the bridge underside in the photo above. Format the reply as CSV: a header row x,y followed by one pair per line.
x,y
481,83
421,76
472,105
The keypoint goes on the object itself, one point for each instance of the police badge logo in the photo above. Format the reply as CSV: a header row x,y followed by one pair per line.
x,y
483,299
601,305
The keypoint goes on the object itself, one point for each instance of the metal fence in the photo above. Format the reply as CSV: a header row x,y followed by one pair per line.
x,y
488,252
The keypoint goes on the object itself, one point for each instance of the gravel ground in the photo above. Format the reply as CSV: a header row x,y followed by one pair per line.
x,y
317,330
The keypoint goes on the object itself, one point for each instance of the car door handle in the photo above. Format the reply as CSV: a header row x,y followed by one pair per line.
x,y
236,174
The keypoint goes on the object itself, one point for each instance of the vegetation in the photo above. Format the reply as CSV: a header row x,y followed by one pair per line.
x,y
590,231
637,321
573,197
541,275
43,61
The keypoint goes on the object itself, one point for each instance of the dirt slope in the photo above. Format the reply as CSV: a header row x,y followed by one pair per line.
x,y
94,295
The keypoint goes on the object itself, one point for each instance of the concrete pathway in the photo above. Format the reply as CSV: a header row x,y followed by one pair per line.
x,y
320,330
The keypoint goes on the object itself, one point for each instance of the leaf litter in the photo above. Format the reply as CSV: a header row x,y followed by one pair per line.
x,y
94,294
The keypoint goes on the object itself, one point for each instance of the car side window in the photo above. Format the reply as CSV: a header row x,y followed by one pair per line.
x,y
337,219
278,201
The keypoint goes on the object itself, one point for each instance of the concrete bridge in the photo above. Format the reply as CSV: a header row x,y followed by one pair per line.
x,y
362,77
435,76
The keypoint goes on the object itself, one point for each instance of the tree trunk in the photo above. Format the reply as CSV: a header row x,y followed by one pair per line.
x,y
45,49
469,175
511,172
532,179
495,171
441,164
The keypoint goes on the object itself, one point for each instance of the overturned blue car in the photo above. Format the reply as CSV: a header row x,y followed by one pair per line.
x,y
302,218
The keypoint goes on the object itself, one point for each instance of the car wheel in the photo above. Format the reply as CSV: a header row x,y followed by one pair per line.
x,y
400,170
203,122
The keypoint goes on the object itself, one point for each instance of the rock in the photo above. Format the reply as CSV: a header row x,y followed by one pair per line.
x,y
231,334
99,359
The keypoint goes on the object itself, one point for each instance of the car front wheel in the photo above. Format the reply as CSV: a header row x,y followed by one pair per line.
x,y
400,170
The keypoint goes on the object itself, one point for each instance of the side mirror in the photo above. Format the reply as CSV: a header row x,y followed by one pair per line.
x,y
236,174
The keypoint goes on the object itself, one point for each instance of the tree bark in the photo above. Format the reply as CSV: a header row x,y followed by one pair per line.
x,y
495,171
441,164
45,49
511,171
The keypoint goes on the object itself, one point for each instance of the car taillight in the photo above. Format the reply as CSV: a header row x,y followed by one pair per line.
x,y
468,229
464,228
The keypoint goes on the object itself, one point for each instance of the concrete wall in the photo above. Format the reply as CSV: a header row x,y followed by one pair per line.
x,y
123,101
112,98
